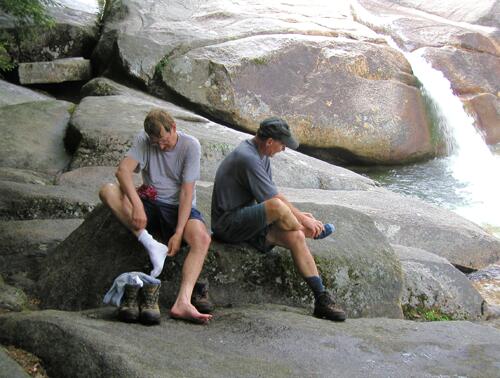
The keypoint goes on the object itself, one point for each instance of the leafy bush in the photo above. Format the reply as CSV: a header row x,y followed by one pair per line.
x,y
25,15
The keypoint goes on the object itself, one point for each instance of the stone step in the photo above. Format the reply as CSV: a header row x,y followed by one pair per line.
x,y
56,71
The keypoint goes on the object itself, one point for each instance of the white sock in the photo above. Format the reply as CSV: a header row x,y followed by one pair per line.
x,y
156,250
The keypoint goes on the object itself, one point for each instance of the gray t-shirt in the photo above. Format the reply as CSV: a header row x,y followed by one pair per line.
x,y
167,170
243,178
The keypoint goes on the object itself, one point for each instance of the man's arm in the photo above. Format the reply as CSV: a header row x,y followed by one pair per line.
x,y
305,219
124,175
185,202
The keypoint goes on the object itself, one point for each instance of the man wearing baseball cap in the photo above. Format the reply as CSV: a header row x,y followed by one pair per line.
x,y
247,207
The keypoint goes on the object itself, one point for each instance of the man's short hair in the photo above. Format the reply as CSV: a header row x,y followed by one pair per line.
x,y
277,128
155,119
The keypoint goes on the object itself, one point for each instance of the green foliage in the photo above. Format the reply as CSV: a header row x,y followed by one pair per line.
x,y
6,63
435,316
260,61
425,314
28,17
28,12
161,65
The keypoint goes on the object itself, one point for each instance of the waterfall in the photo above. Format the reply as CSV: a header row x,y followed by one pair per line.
x,y
470,160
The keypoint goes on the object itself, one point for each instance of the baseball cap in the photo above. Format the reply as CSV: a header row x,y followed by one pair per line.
x,y
278,129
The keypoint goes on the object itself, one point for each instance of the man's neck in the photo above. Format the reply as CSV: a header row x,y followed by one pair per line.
x,y
260,145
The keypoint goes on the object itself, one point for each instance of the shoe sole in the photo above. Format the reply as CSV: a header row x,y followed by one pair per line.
x,y
336,319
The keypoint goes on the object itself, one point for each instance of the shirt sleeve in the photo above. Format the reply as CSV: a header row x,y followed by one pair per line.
x,y
191,168
260,181
139,151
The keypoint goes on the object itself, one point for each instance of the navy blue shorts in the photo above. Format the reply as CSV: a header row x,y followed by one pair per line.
x,y
162,218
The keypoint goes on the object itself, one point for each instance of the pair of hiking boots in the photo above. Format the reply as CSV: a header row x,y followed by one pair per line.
x,y
141,304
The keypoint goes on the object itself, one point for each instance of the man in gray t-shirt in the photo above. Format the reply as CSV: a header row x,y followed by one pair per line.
x,y
170,165
247,206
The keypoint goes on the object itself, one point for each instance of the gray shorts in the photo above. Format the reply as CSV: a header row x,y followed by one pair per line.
x,y
247,224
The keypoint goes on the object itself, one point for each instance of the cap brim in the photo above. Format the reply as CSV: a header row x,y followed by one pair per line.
x,y
290,142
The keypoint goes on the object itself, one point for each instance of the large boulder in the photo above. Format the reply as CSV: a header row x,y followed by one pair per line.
x,y
100,138
486,110
25,243
358,265
32,201
250,341
469,72
327,89
312,65
32,135
432,284
138,47
11,94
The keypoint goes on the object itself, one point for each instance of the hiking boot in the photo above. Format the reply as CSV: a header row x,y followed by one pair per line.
x,y
325,308
150,311
129,309
200,299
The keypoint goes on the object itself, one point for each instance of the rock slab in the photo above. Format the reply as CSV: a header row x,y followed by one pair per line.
x,y
57,71
250,341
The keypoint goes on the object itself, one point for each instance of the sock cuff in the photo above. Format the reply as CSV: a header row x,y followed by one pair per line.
x,y
143,235
316,284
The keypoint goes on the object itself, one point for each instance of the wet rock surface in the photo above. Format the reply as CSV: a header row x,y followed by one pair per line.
x,y
467,53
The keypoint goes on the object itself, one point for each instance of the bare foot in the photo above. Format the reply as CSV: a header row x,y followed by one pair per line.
x,y
190,313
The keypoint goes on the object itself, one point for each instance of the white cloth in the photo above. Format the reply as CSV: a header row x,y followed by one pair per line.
x,y
115,294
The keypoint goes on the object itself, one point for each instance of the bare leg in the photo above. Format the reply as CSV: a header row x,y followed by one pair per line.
x,y
196,235
112,196
279,213
295,241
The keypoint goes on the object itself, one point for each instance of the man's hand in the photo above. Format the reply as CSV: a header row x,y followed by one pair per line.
x,y
174,244
309,215
311,225
139,219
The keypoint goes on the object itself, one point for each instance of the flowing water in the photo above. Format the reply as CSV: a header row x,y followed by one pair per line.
x,y
467,181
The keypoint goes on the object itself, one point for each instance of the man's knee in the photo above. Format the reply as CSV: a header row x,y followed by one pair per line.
x,y
200,241
107,191
275,208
